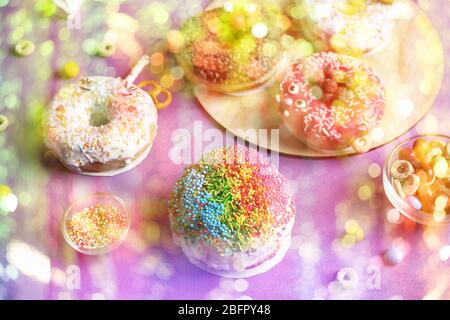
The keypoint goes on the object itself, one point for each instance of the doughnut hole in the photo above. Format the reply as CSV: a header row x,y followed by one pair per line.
x,y
98,119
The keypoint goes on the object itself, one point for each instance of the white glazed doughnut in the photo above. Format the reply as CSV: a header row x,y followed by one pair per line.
x,y
354,28
101,125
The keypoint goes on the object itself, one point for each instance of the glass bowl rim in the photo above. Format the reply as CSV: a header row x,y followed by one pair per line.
x,y
399,203
80,200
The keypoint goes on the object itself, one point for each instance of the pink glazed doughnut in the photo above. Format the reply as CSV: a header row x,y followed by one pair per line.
x,y
331,102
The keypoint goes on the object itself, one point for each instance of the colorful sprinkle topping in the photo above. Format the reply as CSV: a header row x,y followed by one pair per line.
x,y
234,44
331,99
100,120
231,199
96,227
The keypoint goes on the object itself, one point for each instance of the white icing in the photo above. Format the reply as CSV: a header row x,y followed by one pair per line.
x,y
366,30
131,128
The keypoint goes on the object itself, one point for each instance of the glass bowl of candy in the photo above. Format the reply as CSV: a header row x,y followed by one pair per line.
x,y
96,223
416,178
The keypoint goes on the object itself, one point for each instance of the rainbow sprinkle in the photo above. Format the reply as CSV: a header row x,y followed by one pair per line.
x,y
97,227
231,198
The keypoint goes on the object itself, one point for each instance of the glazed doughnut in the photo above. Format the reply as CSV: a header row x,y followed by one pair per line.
x,y
101,124
351,27
331,102
232,213
233,48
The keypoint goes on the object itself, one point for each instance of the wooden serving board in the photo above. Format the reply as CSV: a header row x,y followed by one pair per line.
x,y
411,66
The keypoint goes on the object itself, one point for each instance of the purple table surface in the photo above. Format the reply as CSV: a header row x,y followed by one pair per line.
x,y
36,262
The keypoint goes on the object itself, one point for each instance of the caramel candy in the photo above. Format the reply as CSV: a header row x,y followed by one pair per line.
x,y
402,169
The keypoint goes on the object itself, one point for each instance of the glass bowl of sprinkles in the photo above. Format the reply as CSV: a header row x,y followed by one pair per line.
x,y
96,224
416,178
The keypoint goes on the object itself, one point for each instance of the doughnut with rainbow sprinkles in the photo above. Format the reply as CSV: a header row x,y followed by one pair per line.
x,y
232,213
331,102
